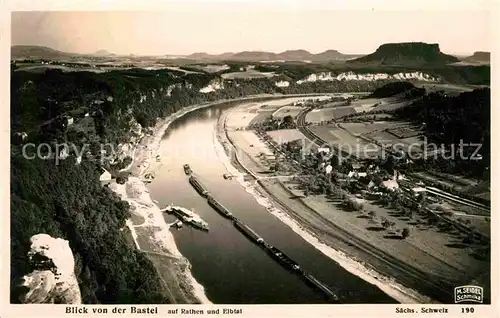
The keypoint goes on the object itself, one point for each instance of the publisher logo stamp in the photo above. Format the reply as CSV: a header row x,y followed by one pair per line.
x,y
468,293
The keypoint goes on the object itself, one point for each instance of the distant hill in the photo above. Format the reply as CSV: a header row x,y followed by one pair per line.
x,y
289,55
206,56
27,51
478,57
201,56
294,55
103,53
35,51
407,53
254,56
328,55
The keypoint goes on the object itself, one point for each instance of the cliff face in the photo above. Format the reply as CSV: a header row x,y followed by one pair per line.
x,y
407,53
53,280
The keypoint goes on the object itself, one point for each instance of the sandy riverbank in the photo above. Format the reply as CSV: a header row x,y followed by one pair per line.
x,y
405,269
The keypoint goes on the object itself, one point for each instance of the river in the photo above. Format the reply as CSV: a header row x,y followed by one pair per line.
x,y
233,269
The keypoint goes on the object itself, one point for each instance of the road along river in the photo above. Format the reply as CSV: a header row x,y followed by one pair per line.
x,y
233,269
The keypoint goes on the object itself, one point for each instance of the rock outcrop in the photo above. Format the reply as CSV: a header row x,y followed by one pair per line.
x,y
407,53
53,279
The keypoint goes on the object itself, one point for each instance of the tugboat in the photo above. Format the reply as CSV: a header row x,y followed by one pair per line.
x,y
187,169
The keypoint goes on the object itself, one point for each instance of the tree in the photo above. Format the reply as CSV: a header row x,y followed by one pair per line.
x,y
288,120
405,233
385,223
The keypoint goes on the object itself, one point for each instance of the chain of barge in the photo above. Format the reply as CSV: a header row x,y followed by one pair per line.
x,y
276,254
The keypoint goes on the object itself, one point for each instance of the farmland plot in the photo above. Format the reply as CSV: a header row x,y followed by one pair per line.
x,y
327,114
344,140
406,137
285,135
287,111
260,117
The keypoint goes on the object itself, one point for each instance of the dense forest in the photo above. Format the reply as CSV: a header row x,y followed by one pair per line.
x,y
402,89
68,201
450,121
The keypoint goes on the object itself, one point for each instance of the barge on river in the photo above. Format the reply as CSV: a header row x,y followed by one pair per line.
x,y
219,207
246,230
282,258
198,186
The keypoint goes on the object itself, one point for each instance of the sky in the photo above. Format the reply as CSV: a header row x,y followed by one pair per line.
x,y
185,28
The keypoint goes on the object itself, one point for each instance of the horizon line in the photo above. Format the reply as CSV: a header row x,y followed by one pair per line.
x,y
234,52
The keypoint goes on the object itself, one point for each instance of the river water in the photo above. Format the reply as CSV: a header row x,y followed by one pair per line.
x,y
233,269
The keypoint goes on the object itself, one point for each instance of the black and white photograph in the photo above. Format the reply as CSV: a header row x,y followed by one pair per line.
x,y
250,153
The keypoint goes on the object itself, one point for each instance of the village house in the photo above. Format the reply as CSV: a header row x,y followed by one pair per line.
x,y
69,121
106,177
390,184
356,175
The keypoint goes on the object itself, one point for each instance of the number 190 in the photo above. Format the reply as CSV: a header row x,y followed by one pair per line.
x,y
468,310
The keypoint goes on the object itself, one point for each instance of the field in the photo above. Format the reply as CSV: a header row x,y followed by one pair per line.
x,y
367,104
448,88
212,68
261,116
287,111
285,135
346,141
480,190
264,110
328,114
362,138
397,135
392,105
336,111
41,68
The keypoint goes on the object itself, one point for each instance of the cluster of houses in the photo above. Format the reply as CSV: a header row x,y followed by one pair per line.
x,y
367,176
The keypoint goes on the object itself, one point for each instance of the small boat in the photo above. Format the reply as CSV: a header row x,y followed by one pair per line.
x,y
149,175
227,176
187,169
